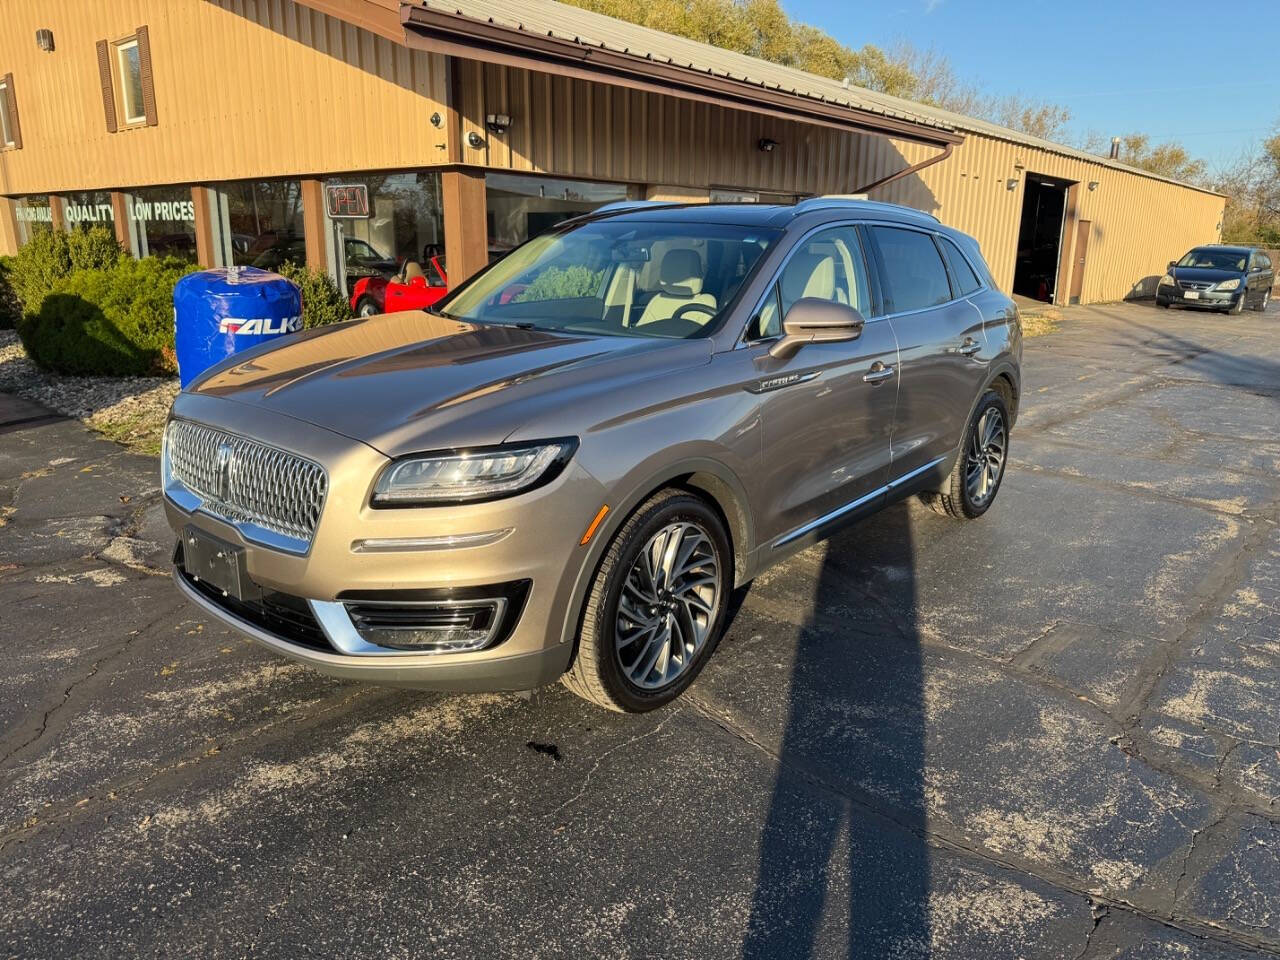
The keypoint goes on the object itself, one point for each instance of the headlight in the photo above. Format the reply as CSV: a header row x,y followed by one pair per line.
x,y
465,476
1166,281
1229,284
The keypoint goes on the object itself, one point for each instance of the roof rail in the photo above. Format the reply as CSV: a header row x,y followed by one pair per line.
x,y
860,201
632,205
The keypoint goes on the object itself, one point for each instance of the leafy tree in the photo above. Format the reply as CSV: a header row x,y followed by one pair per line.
x,y
1166,159
761,28
1252,186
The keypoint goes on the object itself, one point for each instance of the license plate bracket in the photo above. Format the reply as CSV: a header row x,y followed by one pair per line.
x,y
217,563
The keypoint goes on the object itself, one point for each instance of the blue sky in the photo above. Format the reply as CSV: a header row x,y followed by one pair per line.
x,y
1205,73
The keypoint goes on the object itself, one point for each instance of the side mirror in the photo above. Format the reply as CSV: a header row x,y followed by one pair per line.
x,y
811,320
1172,264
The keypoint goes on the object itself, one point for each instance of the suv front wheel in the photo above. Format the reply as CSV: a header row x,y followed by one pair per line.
x,y
979,469
656,607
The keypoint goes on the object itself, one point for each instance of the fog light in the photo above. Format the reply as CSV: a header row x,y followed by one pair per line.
x,y
437,626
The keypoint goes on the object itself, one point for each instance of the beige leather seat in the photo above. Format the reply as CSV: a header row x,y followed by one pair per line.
x,y
679,286
412,269
809,275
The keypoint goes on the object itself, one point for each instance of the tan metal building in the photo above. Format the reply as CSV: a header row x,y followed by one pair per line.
x,y
210,129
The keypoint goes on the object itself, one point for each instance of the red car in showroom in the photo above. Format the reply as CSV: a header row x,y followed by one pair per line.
x,y
413,287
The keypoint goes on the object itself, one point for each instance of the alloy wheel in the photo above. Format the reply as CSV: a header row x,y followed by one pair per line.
x,y
985,459
667,606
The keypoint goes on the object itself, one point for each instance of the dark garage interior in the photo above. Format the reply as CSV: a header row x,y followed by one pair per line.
x,y
1044,201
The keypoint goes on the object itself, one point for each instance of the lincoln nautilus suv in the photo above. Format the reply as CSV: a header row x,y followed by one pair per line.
x,y
563,469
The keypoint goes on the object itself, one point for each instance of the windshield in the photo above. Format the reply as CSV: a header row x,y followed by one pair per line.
x,y
618,277
1215,260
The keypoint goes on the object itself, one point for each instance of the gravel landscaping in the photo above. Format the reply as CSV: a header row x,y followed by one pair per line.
x,y
129,410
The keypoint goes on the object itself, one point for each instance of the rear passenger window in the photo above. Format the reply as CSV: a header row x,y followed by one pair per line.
x,y
913,272
961,272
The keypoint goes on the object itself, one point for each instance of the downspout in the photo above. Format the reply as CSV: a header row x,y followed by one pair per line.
x,y
907,171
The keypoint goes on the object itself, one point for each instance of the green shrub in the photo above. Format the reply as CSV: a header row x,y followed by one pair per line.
x,y
10,305
322,301
51,255
115,320
93,249
555,283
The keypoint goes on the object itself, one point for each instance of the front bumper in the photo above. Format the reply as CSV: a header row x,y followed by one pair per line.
x,y
1205,299
539,547
421,671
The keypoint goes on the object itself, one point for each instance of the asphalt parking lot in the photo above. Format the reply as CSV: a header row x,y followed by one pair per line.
x,y
1054,732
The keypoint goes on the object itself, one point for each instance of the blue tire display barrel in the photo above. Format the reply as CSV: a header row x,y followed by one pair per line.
x,y
220,312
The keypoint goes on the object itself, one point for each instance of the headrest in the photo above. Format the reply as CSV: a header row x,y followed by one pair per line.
x,y
809,275
681,273
412,269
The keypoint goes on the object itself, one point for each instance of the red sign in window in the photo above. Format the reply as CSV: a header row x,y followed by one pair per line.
x,y
347,200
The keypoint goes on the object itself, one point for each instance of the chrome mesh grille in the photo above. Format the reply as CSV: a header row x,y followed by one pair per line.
x,y
244,481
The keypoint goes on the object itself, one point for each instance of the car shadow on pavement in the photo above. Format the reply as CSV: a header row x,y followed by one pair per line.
x,y
1214,365
844,838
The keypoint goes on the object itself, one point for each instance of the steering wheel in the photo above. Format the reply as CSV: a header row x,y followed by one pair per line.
x,y
702,308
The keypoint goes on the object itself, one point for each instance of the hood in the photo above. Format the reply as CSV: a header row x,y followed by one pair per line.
x,y
1205,274
412,381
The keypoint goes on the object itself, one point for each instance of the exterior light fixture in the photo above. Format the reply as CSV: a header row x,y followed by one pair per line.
x,y
474,140
497,122
766,145
1093,185
1011,183
437,120
44,40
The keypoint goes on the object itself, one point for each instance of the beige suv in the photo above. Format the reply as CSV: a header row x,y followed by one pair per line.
x,y
564,469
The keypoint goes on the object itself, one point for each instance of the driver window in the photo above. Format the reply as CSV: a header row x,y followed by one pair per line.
x,y
827,266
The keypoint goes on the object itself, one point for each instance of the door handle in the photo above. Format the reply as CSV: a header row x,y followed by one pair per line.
x,y
969,347
878,373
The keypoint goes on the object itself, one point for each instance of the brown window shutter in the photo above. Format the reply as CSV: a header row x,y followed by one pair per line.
x,y
108,90
14,128
148,85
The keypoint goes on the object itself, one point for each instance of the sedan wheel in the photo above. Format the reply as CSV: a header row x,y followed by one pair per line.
x,y
656,607
1262,304
367,308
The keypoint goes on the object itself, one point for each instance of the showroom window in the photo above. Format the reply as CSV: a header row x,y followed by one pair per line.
x,y
83,209
162,222
522,207
259,223
34,214
403,223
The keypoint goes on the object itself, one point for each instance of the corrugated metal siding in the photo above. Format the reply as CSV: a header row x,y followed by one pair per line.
x,y
244,88
1139,223
273,88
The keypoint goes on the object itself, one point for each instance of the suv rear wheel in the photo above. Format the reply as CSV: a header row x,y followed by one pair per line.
x,y
975,479
656,607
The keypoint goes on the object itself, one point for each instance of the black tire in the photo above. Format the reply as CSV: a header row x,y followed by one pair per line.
x,y
1237,308
1262,304
955,499
597,673
367,307
1163,303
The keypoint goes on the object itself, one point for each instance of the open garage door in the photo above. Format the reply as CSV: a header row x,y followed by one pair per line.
x,y
1044,205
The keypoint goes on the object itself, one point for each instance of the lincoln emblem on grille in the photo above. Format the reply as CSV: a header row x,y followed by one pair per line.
x,y
222,470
